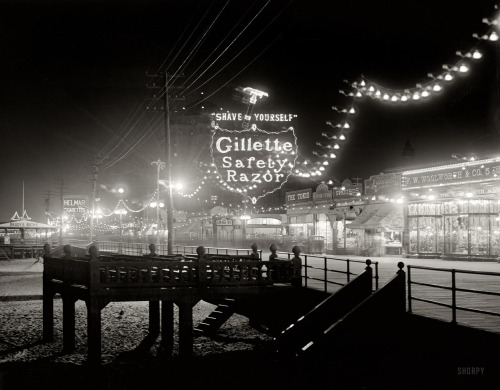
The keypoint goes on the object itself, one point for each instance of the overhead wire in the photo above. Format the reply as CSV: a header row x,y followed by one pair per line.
x,y
119,138
124,139
227,47
241,51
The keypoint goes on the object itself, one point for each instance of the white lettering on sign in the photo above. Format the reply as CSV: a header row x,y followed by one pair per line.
x,y
75,204
488,170
298,196
254,162
238,116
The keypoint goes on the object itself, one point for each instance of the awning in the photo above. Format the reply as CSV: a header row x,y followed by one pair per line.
x,y
388,216
24,224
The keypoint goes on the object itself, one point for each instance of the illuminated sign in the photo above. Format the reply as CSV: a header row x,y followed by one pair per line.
x,y
76,204
256,117
224,222
253,162
385,183
348,190
485,170
463,194
299,196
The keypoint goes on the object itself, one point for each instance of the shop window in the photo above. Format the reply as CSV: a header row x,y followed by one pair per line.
x,y
479,235
456,235
264,221
425,209
413,232
427,240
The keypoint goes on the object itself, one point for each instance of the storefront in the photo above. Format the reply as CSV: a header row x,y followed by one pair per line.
x,y
377,229
347,205
309,224
380,227
453,211
300,218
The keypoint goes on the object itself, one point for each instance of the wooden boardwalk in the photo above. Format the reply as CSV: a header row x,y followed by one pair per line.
x,y
387,268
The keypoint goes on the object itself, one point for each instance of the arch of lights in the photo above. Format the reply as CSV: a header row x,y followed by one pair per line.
x,y
335,135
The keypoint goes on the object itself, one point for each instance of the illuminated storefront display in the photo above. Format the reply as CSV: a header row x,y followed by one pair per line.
x,y
454,228
457,217
318,220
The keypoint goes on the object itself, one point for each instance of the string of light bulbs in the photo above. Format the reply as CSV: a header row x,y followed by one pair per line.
x,y
421,92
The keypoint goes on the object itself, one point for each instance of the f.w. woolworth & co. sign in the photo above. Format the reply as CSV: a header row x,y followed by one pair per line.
x,y
253,162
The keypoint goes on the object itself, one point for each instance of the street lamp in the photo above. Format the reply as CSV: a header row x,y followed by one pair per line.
x,y
120,212
169,185
244,218
160,165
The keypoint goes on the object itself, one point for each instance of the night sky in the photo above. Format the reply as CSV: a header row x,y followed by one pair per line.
x,y
73,83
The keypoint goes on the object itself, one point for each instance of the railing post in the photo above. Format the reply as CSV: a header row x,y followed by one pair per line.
x,y
326,276
255,252
348,270
273,248
202,266
453,298
401,299
369,270
376,275
296,267
409,288
48,299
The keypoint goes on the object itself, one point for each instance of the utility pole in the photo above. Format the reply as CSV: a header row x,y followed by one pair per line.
x,y
47,205
160,165
62,209
92,205
166,109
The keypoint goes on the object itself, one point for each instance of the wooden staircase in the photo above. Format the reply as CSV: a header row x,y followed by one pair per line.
x,y
216,319
3,255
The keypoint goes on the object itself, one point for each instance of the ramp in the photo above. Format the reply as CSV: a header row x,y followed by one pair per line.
x,y
381,315
312,325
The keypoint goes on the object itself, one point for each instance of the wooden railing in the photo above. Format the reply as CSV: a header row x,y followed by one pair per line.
x,y
127,273
139,249
167,279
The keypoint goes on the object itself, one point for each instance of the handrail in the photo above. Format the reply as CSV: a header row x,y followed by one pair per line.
x,y
327,271
138,249
454,289
155,272
307,260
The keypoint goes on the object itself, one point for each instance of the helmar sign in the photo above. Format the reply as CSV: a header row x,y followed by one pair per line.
x,y
254,162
